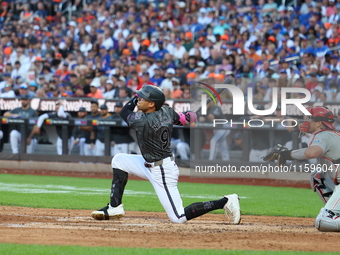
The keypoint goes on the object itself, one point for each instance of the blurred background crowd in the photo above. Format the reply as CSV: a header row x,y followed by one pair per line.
x,y
110,49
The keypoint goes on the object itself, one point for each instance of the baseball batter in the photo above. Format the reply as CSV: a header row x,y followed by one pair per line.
x,y
153,124
325,145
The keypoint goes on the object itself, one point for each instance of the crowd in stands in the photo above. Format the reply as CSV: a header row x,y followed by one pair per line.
x,y
110,49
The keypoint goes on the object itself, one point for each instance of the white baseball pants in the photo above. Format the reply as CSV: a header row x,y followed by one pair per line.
x,y
219,143
164,179
15,139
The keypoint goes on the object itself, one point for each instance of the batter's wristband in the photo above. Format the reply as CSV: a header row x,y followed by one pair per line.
x,y
285,155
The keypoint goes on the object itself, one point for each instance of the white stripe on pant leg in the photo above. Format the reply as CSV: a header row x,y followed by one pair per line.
x,y
1,134
15,138
168,193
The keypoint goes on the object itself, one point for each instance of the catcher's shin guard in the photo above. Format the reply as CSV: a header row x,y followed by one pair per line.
x,y
322,184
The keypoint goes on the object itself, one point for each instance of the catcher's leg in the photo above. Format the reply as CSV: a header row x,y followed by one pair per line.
x,y
328,219
322,184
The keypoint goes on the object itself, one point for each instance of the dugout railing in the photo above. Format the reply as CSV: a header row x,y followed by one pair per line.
x,y
241,158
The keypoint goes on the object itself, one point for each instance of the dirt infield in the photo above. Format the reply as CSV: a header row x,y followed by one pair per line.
x,y
154,230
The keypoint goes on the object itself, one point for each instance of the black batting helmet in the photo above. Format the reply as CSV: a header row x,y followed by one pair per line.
x,y
153,94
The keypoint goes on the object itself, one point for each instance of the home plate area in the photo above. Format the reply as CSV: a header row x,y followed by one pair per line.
x,y
154,230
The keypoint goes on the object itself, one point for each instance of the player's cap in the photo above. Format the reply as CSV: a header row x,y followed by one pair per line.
x,y
33,84
95,83
171,71
119,104
201,63
104,107
174,79
82,109
152,94
23,86
122,78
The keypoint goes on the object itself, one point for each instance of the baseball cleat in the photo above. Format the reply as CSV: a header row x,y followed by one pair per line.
x,y
233,208
109,213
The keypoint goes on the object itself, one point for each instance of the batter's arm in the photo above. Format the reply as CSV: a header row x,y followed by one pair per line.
x,y
185,118
128,108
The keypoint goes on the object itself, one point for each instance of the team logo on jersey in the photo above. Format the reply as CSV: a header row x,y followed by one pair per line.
x,y
48,121
94,122
4,120
317,141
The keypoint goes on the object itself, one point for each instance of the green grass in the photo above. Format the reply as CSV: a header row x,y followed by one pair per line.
x,y
18,249
87,193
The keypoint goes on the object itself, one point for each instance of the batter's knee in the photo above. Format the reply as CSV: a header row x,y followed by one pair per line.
x,y
326,224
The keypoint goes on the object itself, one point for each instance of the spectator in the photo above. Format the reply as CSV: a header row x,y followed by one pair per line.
x,y
167,83
94,87
110,90
8,91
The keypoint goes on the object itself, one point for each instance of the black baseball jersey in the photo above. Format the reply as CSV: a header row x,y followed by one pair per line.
x,y
154,132
29,113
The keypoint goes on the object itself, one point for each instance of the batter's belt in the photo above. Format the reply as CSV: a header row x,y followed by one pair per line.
x,y
158,163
